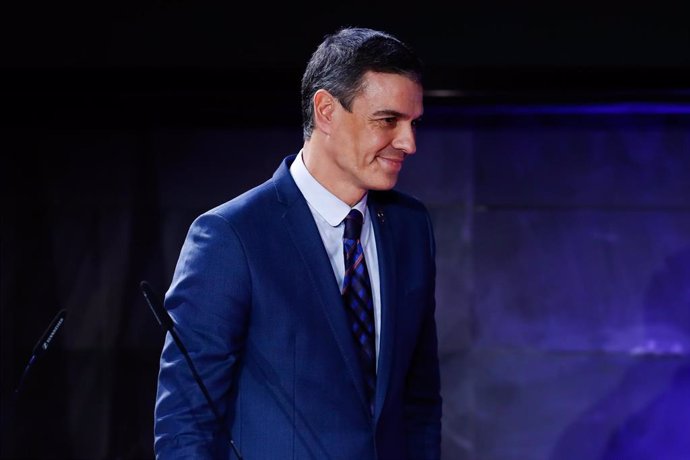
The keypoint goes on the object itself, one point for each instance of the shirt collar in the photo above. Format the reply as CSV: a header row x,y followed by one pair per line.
x,y
330,207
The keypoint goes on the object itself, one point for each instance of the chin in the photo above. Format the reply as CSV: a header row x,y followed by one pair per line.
x,y
383,184
379,180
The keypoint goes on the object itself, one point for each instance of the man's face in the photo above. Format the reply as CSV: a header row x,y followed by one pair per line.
x,y
369,144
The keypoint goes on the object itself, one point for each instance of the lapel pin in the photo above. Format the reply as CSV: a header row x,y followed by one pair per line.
x,y
379,214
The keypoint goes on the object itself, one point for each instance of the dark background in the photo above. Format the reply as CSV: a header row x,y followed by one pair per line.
x,y
554,157
217,62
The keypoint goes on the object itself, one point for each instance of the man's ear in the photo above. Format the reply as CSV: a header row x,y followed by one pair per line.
x,y
324,106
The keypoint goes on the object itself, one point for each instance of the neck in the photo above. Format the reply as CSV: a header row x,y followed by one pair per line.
x,y
327,174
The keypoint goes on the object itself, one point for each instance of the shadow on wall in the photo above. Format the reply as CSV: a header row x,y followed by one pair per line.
x,y
657,427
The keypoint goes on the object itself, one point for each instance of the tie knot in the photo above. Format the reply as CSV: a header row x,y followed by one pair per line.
x,y
353,225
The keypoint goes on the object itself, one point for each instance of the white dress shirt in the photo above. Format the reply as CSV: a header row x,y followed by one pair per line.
x,y
329,214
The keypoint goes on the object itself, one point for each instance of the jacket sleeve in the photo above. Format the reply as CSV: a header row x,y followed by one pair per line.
x,y
422,389
209,301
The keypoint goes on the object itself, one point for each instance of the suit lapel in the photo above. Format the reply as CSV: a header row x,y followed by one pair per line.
x,y
305,236
386,257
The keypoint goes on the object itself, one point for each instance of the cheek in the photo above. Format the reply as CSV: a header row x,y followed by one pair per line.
x,y
373,142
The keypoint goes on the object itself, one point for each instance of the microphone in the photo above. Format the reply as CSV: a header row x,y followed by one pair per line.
x,y
156,305
42,345
39,349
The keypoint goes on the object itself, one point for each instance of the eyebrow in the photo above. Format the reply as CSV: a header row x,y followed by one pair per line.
x,y
391,113
388,113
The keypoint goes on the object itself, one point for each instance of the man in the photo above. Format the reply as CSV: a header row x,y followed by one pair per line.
x,y
313,327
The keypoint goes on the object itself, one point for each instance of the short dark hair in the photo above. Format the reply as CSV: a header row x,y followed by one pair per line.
x,y
339,63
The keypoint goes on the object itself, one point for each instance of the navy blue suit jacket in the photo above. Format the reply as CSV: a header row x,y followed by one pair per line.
x,y
256,303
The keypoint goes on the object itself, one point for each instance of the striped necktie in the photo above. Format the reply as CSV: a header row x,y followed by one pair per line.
x,y
359,301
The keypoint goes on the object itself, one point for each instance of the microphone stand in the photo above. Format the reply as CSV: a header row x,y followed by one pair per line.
x,y
164,319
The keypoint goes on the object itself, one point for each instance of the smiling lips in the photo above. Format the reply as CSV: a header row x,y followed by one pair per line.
x,y
391,163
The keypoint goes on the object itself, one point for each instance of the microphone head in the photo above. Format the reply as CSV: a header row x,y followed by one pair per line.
x,y
48,336
156,305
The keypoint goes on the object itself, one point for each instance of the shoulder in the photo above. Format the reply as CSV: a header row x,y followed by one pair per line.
x,y
240,215
399,202
259,202
404,212
250,201
405,219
